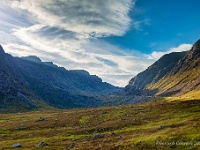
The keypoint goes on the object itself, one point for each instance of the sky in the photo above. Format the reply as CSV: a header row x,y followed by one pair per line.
x,y
114,39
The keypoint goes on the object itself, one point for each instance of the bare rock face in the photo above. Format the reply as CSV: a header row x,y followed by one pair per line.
x,y
191,60
196,48
194,53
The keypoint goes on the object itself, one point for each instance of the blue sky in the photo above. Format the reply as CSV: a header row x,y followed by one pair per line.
x,y
114,39
168,23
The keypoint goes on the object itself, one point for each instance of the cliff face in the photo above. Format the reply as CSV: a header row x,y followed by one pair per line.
x,y
173,74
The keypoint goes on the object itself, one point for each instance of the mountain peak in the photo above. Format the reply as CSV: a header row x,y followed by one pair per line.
x,y
196,46
198,41
194,53
1,50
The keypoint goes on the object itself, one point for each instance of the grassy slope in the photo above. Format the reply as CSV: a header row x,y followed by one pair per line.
x,y
17,106
192,95
138,125
182,78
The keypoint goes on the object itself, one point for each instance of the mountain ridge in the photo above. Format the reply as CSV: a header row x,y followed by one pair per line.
x,y
38,83
153,74
169,76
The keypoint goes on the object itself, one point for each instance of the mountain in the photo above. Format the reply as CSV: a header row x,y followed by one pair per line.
x,y
173,74
12,85
153,74
28,83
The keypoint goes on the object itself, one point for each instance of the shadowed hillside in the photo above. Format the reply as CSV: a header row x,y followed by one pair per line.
x,y
28,83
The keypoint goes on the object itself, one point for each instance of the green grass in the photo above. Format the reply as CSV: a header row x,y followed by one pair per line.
x,y
136,127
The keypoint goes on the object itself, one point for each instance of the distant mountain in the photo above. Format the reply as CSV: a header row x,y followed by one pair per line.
x,y
29,83
172,75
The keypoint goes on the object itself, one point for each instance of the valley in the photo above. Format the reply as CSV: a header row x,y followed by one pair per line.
x,y
99,75
53,108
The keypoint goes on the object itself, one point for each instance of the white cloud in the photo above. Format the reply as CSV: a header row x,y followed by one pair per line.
x,y
19,50
180,48
89,17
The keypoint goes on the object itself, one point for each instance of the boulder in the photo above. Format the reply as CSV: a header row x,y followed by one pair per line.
x,y
43,144
162,126
98,135
137,108
72,145
18,145
41,119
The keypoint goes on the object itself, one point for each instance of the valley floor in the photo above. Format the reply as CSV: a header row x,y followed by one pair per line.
x,y
159,124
